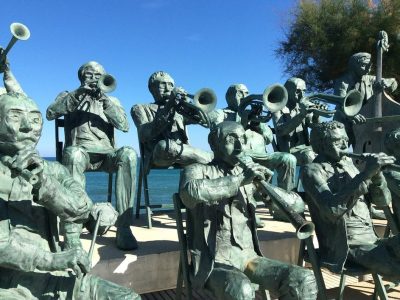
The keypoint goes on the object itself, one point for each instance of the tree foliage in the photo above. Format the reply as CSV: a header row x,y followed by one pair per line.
x,y
323,35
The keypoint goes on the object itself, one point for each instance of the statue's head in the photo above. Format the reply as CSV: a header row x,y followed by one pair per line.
x,y
234,94
296,88
227,140
90,73
20,123
360,63
329,139
160,86
392,142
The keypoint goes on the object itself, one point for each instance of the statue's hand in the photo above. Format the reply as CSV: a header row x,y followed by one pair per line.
x,y
358,119
255,171
4,63
28,161
375,162
76,259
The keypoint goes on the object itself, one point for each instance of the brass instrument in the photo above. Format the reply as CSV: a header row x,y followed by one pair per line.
x,y
273,99
350,104
304,228
364,156
204,101
19,32
107,83
394,227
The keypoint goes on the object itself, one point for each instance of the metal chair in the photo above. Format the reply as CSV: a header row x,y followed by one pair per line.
x,y
184,277
59,123
143,184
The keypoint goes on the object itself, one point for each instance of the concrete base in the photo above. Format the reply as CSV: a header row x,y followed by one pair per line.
x,y
154,266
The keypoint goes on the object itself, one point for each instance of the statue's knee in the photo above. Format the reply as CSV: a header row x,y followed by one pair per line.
x,y
75,155
289,160
128,155
166,151
242,290
302,284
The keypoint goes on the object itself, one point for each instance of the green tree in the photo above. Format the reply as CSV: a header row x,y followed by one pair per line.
x,y
323,34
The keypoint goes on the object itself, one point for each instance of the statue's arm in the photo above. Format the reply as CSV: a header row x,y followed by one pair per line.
x,y
390,84
65,103
149,125
115,113
285,127
62,195
332,205
393,181
11,83
197,187
266,132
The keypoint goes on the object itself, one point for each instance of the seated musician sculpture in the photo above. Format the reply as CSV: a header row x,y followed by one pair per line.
x,y
161,128
90,118
357,77
293,122
337,193
221,225
33,194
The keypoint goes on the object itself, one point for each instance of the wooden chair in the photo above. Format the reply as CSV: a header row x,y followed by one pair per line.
x,y
184,276
59,123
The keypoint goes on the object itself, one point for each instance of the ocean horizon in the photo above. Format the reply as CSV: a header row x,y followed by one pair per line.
x,y
163,183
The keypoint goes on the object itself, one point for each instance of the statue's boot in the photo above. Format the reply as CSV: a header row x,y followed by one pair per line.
x,y
125,239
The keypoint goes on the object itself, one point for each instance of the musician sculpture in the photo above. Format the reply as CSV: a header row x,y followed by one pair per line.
x,y
33,194
337,193
90,119
221,224
161,126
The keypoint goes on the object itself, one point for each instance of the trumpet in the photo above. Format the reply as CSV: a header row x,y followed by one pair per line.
x,y
273,99
107,83
204,101
304,228
20,33
350,104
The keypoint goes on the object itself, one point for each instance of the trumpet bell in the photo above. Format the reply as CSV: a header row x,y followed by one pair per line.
x,y
20,31
205,99
107,83
352,103
275,97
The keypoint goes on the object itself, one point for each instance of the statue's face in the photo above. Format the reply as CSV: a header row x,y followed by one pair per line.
x,y
363,67
91,76
20,125
163,89
231,145
334,144
297,93
234,99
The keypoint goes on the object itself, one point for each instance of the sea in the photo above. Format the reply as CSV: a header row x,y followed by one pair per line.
x,y
163,183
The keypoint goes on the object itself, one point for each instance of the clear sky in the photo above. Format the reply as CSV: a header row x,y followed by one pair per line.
x,y
201,43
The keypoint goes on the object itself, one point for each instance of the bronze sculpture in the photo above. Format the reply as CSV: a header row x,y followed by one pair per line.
x,y
161,129
33,193
221,225
337,194
90,119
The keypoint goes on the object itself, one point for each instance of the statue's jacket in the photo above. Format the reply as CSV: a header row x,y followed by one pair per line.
x,y
205,190
28,221
331,214
87,122
152,128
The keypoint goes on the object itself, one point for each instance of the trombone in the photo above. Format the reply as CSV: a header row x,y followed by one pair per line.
x,y
20,33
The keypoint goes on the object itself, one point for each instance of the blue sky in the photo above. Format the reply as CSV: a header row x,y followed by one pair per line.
x,y
203,43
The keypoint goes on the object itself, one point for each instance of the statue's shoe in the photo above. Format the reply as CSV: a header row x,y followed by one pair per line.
x,y
125,239
259,222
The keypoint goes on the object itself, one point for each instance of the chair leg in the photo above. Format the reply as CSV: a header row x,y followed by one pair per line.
x,y
264,294
316,268
147,201
139,190
302,251
379,287
179,282
110,187
342,284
